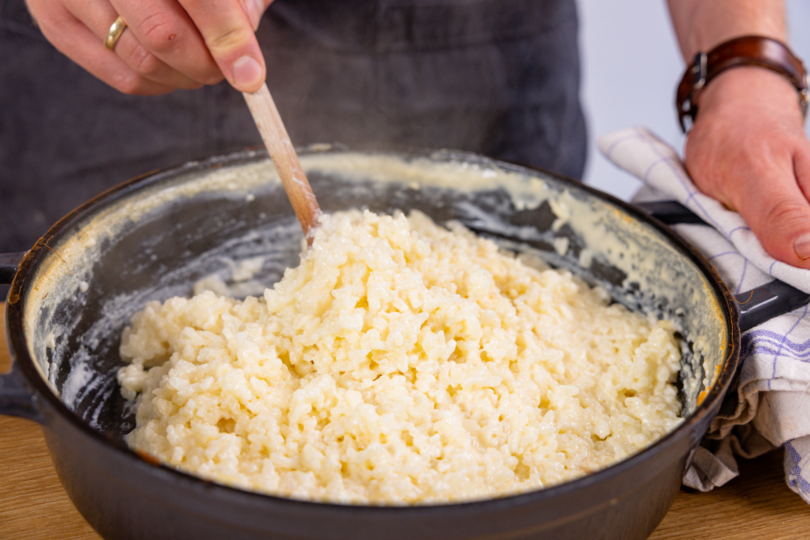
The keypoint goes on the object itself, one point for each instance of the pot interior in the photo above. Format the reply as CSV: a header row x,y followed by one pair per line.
x,y
154,238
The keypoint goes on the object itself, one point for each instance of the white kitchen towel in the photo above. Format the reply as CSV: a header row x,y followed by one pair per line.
x,y
771,405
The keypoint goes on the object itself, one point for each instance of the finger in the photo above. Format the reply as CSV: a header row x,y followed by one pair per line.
x,y
228,34
165,29
99,16
779,215
72,38
254,10
801,166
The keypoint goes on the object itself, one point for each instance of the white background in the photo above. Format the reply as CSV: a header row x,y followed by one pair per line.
x,y
631,64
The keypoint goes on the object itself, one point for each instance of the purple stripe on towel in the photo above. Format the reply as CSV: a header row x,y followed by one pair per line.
x,y
756,338
799,482
735,229
652,166
742,276
724,254
614,144
785,338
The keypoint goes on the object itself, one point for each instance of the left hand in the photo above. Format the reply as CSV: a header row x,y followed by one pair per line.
x,y
166,45
748,150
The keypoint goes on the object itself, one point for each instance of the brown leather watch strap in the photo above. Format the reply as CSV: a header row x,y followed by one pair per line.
x,y
742,51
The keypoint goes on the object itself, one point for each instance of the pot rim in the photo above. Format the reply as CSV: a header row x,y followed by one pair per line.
x,y
27,365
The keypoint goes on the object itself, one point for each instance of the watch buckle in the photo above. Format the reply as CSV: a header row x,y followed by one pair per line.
x,y
688,107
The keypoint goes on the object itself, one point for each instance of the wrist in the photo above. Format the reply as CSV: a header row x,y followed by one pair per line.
x,y
762,53
751,88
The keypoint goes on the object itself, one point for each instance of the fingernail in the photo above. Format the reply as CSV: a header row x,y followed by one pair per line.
x,y
246,71
802,246
255,8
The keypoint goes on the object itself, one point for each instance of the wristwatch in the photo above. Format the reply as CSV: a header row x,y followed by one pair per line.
x,y
742,51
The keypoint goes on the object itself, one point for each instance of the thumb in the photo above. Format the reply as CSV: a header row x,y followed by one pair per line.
x,y
227,31
800,234
779,213
255,9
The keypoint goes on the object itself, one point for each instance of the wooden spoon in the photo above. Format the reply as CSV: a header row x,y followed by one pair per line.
x,y
285,159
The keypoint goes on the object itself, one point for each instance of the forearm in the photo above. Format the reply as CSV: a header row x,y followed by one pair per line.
x,y
702,24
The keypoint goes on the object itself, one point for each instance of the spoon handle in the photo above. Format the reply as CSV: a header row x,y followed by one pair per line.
x,y
285,159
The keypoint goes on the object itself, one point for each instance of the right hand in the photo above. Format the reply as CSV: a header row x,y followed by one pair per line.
x,y
167,45
748,150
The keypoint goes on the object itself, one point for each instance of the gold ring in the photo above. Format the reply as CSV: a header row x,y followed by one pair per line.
x,y
115,32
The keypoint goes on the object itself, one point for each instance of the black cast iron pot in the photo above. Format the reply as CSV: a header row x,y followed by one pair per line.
x,y
152,238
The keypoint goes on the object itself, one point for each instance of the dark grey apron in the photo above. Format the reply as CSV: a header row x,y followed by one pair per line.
x,y
498,77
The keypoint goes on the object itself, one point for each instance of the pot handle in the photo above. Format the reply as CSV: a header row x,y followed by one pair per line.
x,y
9,263
767,302
15,399
669,212
755,306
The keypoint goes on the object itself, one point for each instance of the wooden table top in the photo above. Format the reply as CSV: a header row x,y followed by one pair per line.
x,y
758,504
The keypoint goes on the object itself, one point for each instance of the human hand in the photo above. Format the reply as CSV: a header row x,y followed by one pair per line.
x,y
748,150
168,44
